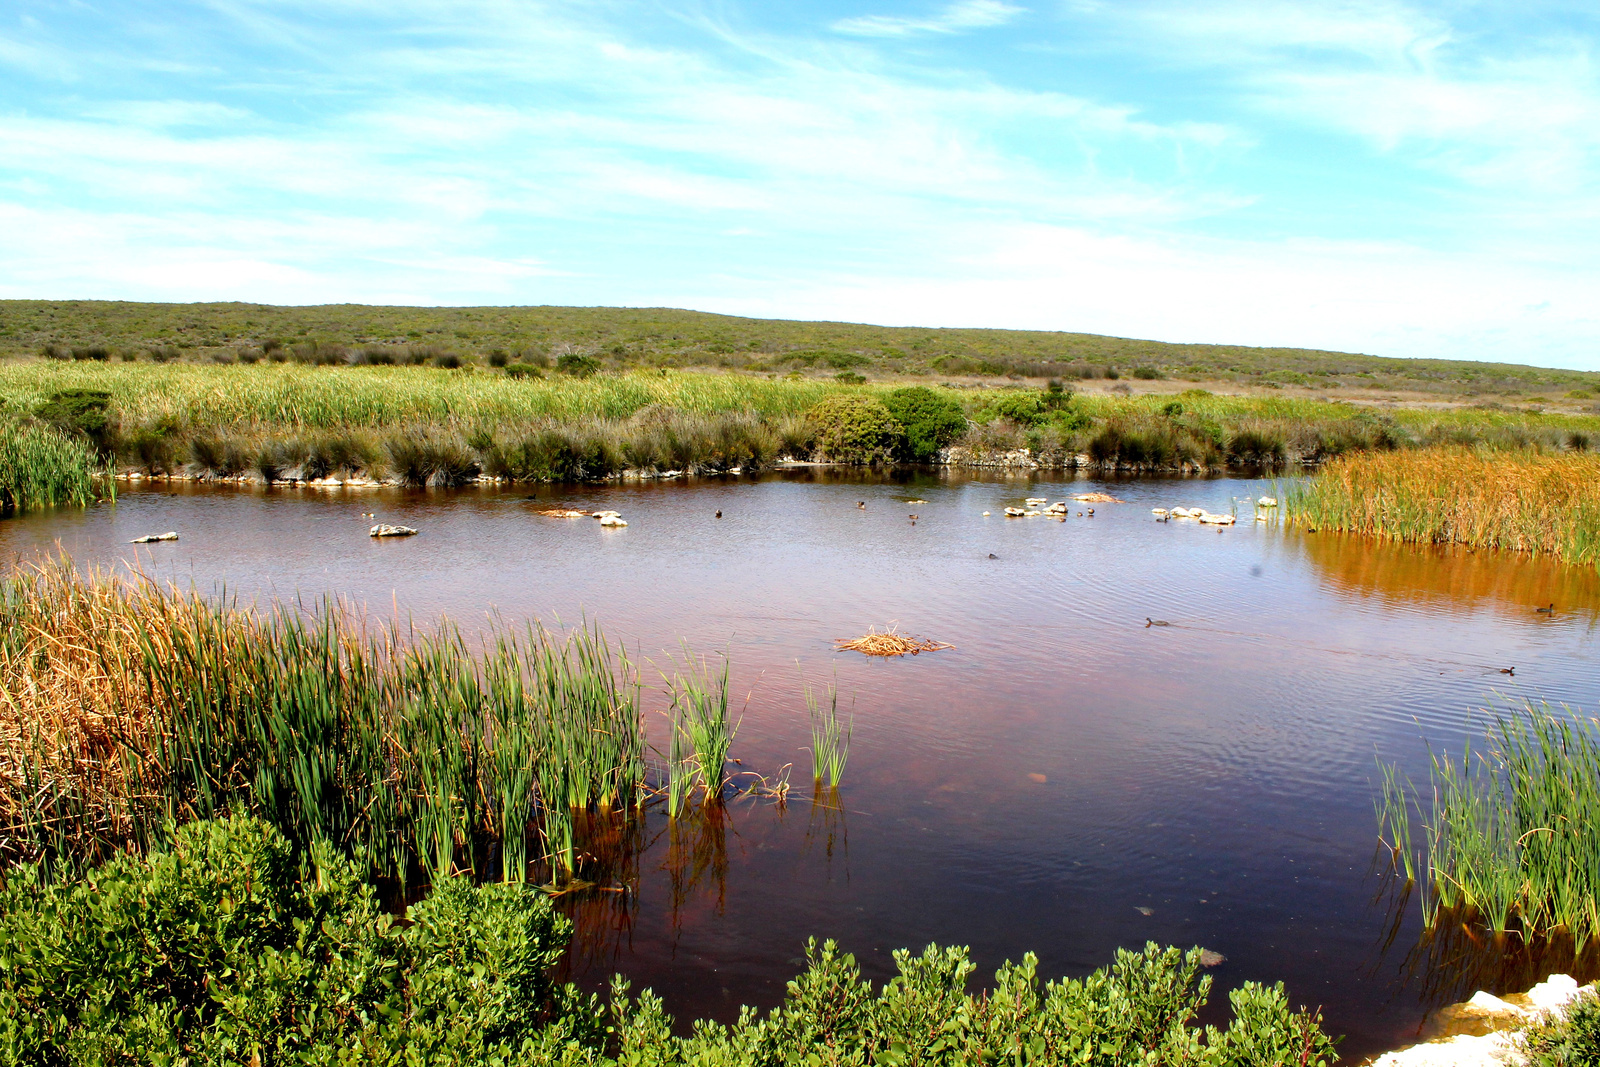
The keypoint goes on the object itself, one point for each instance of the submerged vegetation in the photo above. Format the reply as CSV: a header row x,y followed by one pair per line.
x,y
1523,501
1510,833
231,945
40,468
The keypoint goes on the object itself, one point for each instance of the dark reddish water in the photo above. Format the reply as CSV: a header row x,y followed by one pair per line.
x,y
1062,771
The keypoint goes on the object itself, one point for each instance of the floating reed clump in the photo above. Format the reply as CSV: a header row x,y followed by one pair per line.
x,y
1523,501
40,468
125,707
1512,833
890,642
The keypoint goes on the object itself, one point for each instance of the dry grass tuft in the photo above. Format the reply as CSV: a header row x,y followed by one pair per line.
x,y
1522,501
889,642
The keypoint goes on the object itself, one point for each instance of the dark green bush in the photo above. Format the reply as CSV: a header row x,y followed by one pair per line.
x,y
421,461
930,421
1148,374
83,413
850,377
523,370
1570,1041
1262,448
855,429
578,366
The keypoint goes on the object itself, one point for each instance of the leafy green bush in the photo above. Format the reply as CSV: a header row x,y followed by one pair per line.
x,y
1023,407
930,421
1148,374
228,947
1572,1040
855,429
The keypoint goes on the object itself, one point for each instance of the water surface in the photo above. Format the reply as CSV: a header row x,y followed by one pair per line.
x,y
1065,780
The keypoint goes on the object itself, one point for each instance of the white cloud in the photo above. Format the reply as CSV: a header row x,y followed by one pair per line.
x,y
955,18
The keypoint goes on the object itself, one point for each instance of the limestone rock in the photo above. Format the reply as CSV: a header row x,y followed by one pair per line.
x,y
147,539
386,529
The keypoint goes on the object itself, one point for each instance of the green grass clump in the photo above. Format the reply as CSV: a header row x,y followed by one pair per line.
x,y
830,738
40,468
1512,832
230,945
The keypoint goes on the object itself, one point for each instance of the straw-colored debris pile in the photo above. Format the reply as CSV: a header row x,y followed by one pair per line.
x,y
888,643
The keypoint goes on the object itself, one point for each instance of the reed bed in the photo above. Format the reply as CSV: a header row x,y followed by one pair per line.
x,y
1512,832
1522,501
890,642
40,468
126,708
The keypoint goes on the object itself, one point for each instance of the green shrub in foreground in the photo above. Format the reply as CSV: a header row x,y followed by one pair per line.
x,y
1572,1040
230,948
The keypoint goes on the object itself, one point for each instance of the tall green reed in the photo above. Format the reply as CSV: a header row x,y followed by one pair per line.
x,y
830,739
40,468
700,700
1513,830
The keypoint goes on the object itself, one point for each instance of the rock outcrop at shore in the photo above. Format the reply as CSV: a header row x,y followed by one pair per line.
x,y
1484,1031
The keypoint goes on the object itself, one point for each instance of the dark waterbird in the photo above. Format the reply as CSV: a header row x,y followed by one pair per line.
x,y
1551,610
719,514
993,556
1508,670
1149,622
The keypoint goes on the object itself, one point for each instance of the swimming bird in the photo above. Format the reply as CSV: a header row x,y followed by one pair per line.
x,y
913,517
1508,670
861,504
1547,611
1149,622
993,556
719,514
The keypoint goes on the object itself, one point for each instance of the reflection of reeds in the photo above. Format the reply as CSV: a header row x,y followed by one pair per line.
x,y
1513,832
830,739
123,706
1523,501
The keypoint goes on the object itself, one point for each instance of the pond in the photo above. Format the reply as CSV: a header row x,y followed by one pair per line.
x,y
1066,779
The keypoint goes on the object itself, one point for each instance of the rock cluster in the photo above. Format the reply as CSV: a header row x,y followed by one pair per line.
x,y
1482,1032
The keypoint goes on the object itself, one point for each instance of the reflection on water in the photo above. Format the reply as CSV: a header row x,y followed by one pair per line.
x,y
1452,577
1458,956
1064,780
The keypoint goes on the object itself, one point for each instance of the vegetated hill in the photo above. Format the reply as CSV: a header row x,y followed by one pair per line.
x,y
624,337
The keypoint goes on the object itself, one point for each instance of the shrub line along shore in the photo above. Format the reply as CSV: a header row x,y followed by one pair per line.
x,y
426,425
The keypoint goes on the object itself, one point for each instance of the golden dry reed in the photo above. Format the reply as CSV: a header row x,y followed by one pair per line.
x,y
1521,501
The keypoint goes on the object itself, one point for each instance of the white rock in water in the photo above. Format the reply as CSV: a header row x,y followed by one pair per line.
x,y
605,514
385,529
1494,1005
1034,501
1267,502
1012,513
1554,992
612,520
170,535
1180,513
1158,511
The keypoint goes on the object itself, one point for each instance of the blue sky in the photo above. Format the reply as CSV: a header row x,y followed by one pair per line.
x,y
1403,179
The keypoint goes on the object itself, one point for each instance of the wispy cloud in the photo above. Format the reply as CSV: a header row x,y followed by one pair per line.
x,y
954,18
